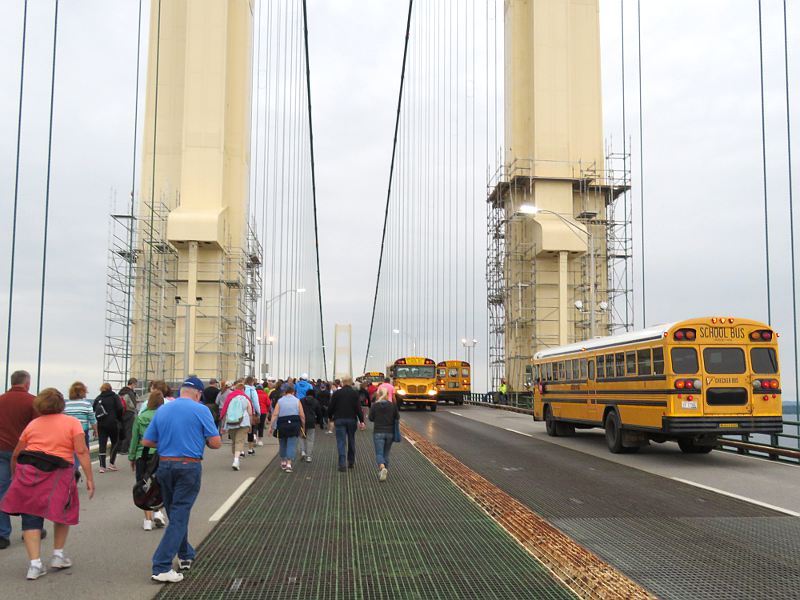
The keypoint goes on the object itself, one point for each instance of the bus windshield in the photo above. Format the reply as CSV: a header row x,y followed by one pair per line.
x,y
414,371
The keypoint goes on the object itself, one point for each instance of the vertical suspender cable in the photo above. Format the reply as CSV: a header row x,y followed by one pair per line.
x,y
391,173
47,200
16,195
314,189
764,159
152,201
133,202
628,317
641,157
791,208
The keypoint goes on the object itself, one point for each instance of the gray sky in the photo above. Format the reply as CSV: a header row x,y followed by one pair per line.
x,y
702,150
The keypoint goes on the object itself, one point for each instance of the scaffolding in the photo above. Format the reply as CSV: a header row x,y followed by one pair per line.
x,y
147,316
514,304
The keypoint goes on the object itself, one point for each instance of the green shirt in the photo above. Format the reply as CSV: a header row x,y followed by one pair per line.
x,y
139,427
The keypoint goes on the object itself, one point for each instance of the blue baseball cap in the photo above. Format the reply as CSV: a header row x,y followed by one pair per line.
x,y
194,383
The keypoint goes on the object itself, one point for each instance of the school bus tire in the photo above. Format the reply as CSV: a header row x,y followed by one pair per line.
x,y
433,407
613,427
688,446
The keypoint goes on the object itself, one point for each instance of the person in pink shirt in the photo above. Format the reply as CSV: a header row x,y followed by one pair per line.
x,y
387,385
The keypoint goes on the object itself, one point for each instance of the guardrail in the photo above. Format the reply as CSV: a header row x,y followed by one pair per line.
x,y
776,449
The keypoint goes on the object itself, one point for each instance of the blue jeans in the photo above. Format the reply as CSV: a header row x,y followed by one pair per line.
x,y
346,434
5,481
180,484
383,445
288,447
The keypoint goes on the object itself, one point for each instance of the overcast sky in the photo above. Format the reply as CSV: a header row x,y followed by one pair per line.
x,y
702,159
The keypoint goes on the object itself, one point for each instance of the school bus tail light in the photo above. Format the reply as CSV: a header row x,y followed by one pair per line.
x,y
688,384
766,384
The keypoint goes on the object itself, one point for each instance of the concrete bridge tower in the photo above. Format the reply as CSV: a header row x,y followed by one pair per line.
x,y
548,271
197,263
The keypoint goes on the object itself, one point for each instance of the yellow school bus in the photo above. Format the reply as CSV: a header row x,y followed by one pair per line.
x,y
415,381
375,377
689,381
453,381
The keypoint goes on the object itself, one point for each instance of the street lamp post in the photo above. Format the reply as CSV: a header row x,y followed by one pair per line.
x,y
263,343
529,209
470,346
268,304
413,341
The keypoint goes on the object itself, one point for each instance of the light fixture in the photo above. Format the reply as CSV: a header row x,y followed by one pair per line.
x,y
528,209
579,305
395,331
271,339
463,340
301,290
603,306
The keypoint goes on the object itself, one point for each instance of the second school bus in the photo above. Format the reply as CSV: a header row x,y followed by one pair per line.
x,y
689,381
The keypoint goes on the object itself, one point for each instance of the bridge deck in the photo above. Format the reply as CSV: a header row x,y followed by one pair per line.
x,y
318,533
677,540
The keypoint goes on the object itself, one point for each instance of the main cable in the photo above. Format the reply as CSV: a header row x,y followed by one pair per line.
x,y
391,173
47,200
16,194
314,191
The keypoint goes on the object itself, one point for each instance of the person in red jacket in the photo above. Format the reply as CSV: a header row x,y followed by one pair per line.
x,y
266,406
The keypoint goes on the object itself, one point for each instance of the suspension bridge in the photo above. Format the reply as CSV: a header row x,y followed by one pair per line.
x,y
492,203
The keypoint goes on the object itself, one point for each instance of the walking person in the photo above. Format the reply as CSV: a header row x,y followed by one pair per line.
x,y
390,389
250,391
130,408
302,387
266,407
180,430
313,413
288,419
345,410
79,407
236,418
16,411
385,415
210,395
44,484
138,464
108,411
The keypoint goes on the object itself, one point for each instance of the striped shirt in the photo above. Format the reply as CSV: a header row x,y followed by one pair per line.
x,y
82,410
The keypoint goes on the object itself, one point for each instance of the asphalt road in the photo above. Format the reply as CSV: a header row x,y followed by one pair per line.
x,y
110,551
677,540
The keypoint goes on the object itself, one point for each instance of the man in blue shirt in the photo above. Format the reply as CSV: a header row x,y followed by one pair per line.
x,y
301,387
180,430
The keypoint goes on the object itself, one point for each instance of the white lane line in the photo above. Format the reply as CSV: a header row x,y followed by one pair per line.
x,y
452,412
785,511
226,506
519,432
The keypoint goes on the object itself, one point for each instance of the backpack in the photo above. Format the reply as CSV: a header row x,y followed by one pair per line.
x,y
99,409
236,410
147,491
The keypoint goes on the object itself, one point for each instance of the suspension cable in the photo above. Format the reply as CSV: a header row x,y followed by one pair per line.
x,y
764,159
391,173
47,200
314,189
16,195
641,157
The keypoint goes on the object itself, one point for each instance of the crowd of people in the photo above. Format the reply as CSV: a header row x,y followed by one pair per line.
x,y
45,441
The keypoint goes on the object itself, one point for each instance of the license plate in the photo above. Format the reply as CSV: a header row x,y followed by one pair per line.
x,y
688,405
734,425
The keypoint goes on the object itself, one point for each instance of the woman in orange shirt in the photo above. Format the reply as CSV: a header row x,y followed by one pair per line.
x,y
44,485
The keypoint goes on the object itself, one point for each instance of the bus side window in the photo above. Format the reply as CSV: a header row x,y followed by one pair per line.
x,y
591,369
548,373
609,365
643,358
601,369
620,364
561,372
576,370
658,361
584,372
630,362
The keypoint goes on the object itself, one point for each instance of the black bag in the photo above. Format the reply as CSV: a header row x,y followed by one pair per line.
x,y
47,463
147,491
288,426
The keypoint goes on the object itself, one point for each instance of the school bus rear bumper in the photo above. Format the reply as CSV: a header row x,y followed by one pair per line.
x,y
721,425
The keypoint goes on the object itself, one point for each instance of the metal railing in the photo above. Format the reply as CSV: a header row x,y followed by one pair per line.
x,y
781,446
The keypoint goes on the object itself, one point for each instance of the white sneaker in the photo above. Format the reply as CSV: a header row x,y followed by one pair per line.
x,y
241,454
169,577
158,519
235,464
302,457
383,474
36,572
260,443
148,525
60,562
308,459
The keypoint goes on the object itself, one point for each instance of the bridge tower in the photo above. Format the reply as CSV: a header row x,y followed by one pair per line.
x,y
197,263
548,261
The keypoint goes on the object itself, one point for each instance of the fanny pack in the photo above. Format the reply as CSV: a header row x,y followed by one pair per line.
x,y
42,461
288,426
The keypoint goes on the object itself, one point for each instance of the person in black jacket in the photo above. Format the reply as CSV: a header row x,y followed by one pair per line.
x,y
313,412
385,415
344,410
108,410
